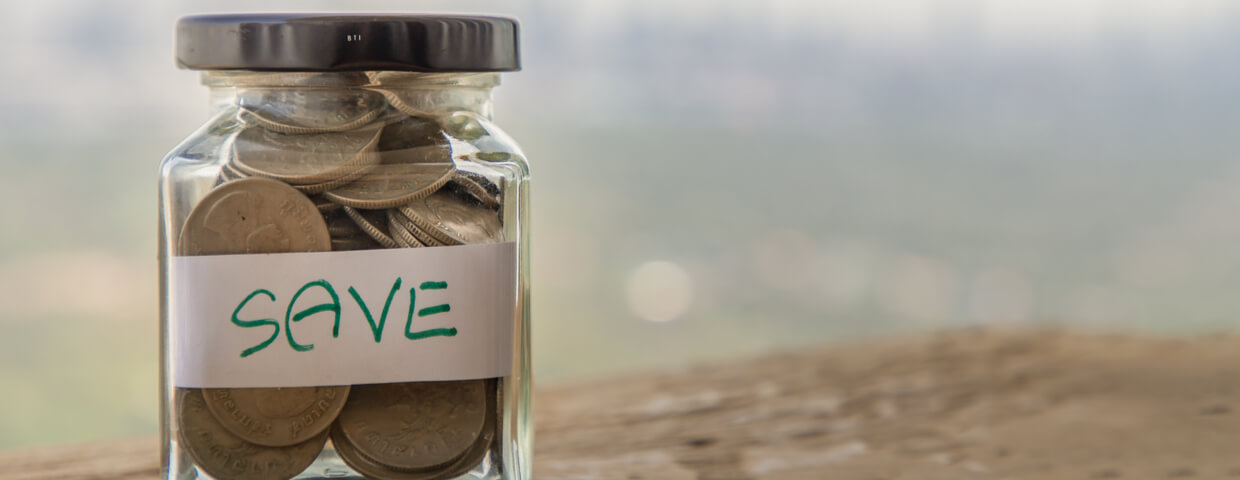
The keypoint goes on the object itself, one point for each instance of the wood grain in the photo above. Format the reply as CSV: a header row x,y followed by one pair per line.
x,y
959,405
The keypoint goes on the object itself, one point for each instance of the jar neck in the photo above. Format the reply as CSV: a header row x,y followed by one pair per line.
x,y
414,93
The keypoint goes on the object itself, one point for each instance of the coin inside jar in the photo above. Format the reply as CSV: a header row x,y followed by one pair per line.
x,y
374,223
253,215
455,468
257,215
476,188
305,159
480,448
418,425
298,113
415,161
276,417
452,220
401,227
371,468
221,454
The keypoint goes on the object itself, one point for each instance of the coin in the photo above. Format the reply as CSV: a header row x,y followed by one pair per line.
x,y
258,215
403,223
294,111
369,226
229,173
285,79
401,241
288,126
453,221
276,417
340,225
408,225
355,243
400,231
481,180
461,465
410,132
221,454
486,441
390,185
469,185
402,106
253,215
370,468
324,205
415,425
305,159
317,188
415,160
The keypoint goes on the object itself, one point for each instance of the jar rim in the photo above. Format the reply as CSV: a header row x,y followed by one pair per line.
x,y
251,78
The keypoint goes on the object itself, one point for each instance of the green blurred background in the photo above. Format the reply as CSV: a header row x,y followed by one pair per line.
x,y
713,179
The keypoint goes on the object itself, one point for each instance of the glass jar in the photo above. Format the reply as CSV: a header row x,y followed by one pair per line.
x,y
344,254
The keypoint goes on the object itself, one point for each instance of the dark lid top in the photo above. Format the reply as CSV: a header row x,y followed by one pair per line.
x,y
332,43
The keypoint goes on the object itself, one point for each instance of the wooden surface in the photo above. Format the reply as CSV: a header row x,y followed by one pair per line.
x,y
953,406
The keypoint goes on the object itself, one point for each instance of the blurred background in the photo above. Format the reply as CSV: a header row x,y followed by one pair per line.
x,y
712,179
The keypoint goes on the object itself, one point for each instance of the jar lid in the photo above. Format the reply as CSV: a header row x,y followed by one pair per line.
x,y
335,43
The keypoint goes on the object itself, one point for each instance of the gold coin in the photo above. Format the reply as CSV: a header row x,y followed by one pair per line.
x,y
221,454
485,443
258,215
415,161
371,226
292,111
276,417
357,243
417,425
400,232
387,186
341,228
454,469
305,159
253,215
474,186
287,126
324,205
229,173
402,106
452,220
411,132
317,188
368,467
404,223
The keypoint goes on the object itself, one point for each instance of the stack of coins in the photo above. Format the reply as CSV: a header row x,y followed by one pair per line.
x,y
368,175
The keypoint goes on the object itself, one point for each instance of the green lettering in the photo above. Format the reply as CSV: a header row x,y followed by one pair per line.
x,y
334,306
435,309
256,323
434,332
377,330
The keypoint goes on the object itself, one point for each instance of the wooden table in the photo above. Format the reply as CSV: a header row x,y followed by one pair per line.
x,y
971,404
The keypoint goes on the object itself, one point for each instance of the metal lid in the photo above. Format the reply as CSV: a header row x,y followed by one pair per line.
x,y
334,43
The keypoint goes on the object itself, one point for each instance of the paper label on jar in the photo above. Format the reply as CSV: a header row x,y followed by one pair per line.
x,y
343,318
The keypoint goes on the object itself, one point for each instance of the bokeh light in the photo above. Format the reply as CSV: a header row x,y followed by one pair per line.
x,y
659,291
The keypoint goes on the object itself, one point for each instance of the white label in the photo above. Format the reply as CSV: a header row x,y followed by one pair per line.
x,y
270,320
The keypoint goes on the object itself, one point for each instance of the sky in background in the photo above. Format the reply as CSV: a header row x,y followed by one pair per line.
x,y
712,178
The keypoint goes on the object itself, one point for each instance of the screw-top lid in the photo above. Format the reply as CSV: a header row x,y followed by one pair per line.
x,y
334,43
